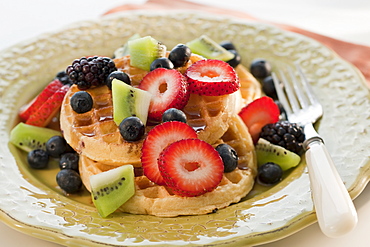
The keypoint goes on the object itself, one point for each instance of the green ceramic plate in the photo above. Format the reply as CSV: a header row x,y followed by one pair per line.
x,y
31,202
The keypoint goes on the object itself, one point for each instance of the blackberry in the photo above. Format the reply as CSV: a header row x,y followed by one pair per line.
x,y
91,71
286,134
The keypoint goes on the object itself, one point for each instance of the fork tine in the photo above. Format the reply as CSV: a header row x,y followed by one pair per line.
x,y
298,89
291,95
281,95
307,88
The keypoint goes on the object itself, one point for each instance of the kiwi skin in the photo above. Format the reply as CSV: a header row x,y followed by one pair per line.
x,y
268,152
28,137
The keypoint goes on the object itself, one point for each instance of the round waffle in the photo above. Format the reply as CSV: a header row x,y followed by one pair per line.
x,y
157,200
96,135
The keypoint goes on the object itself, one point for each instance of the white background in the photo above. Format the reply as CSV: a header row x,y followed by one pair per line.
x,y
342,19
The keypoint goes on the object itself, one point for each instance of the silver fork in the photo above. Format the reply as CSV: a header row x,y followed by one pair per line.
x,y
335,211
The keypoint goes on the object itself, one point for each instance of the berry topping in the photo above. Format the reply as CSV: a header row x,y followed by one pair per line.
x,y
44,114
63,78
191,167
91,71
55,146
236,60
228,45
132,129
179,55
69,180
268,87
119,75
258,113
38,159
212,77
69,161
229,157
285,134
27,110
161,62
169,89
260,68
269,173
157,139
174,114
81,102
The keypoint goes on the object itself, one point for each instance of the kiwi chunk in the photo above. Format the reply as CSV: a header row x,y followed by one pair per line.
x,y
129,101
28,137
123,50
208,48
143,51
112,188
268,152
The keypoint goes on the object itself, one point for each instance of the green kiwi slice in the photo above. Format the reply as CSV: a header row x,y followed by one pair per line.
x,y
123,50
268,152
28,137
143,51
111,189
129,101
208,48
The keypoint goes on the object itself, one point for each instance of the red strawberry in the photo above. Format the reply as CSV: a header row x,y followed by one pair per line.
x,y
212,77
27,110
157,139
169,89
191,167
258,113
47,111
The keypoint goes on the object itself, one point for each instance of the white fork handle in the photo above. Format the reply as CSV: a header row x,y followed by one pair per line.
x,y
335,211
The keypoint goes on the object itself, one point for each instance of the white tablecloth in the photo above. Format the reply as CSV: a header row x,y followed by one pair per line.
x,y
343,19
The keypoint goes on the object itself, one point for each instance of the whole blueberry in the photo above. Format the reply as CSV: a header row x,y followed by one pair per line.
x,y
268,87
119,75
174,114
81,102
179,55
132,129
260,68
69,180
69,161
228,45
228,156
55,146
269,173
38,159
161,62
236,60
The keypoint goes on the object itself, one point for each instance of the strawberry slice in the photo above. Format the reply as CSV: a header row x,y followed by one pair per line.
x,y
43,115
157,139
169,89
27,110
191,167
258,113
212,77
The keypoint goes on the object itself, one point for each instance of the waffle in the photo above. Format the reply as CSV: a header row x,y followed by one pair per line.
x,y
158,200
95,134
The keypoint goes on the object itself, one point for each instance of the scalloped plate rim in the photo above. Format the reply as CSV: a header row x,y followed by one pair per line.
x,y
59,237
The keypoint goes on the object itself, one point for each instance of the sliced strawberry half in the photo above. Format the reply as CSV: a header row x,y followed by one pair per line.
x,y
157,139
169,89
212,77
43,115
258,113
191,167
27,110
